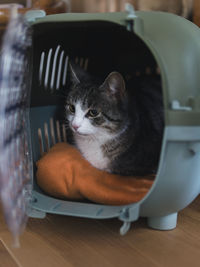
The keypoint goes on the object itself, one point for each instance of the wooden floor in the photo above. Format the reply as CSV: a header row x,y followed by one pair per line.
x,y
58,241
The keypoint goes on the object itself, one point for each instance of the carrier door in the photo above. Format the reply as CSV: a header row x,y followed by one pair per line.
x,y
15,155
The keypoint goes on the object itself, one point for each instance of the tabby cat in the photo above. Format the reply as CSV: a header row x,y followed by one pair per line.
x,y
116,128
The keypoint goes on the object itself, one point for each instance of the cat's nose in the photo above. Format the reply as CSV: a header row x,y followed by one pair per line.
x,y
75,127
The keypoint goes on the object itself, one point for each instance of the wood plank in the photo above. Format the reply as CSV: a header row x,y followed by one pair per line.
x,y
6,260
33,251
3,226
100,6
95,245
196,12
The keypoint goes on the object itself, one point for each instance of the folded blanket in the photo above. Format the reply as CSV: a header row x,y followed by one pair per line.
x,y
65,174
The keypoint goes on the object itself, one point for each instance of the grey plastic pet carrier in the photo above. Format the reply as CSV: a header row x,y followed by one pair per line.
x,y
150,43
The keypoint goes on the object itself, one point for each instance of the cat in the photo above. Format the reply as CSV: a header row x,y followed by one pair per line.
x,y
117,129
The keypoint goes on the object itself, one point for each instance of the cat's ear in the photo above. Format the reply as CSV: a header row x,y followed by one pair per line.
x,y
114,85
73,76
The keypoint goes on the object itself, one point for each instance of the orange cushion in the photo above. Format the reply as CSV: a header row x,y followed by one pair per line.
x,y
65,174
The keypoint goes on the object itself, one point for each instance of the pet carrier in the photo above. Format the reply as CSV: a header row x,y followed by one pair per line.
x,y
133,43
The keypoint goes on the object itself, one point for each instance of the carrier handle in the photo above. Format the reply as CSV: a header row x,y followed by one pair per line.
x,y
130,16
130,10
32,15
134,23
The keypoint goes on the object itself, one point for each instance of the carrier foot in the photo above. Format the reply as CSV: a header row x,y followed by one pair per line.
x,y
167,222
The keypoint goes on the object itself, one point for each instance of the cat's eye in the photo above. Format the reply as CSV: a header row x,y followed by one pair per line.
x,y
93,113
71,108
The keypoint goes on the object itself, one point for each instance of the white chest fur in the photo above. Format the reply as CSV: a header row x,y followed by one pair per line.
x,y
92,151
89,139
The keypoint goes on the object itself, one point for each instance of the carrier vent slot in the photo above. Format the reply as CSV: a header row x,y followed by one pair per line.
x,y
46,136
158,70
59,70
138,73
58,131
41,144
65,71
82,62
47,68
52,132
41,66
147,71
53,68
64,133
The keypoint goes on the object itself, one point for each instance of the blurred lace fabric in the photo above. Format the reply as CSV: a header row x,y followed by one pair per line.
x,y
15,155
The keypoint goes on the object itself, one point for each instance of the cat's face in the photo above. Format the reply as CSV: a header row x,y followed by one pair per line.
x,y
97,110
